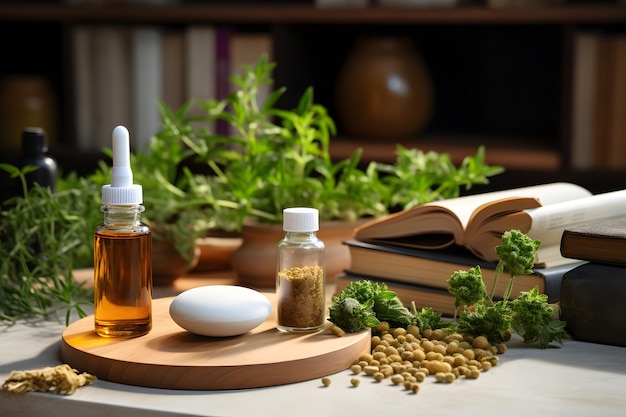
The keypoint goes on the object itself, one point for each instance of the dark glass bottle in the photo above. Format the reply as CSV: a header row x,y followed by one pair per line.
x,y
34,148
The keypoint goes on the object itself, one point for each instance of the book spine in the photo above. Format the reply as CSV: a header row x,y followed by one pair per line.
x,y
147,76
82,47
173,65
112,83
223,70
617,105
601,103
585,67
201,68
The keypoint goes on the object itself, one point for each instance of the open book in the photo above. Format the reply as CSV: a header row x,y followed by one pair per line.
x,y
477,222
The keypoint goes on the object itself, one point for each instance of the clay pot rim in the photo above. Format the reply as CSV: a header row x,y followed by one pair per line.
x,y
255,225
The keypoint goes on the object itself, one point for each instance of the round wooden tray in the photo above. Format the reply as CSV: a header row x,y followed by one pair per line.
x,y
170,357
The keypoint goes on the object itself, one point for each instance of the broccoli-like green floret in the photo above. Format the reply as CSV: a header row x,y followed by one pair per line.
x,y
467,287
534,319
492,321
386,305
517,252
427,318
352,316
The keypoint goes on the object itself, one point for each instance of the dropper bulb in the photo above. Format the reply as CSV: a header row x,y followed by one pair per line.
x,y
121,174
121,191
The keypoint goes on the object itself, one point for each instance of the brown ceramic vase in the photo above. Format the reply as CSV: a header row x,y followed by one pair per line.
x,y
383,89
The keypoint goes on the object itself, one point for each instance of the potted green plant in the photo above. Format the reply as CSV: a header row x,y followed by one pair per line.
x,y
274,158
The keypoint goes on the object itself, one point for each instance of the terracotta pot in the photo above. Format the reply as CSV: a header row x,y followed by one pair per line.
x,y
216,252
255,260
168,264
383,89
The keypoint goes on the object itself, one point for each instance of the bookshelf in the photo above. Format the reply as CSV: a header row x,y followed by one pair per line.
x,y
502,77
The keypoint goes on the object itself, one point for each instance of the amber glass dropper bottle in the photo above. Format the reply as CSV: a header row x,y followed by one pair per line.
x,y
122,253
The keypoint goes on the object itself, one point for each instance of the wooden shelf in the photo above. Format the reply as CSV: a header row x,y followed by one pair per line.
x,y
503,76
308,14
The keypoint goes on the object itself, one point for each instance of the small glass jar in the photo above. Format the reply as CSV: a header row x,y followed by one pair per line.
x,y
300,273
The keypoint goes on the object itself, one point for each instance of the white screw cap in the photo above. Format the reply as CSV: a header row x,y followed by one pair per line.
x,y
300,219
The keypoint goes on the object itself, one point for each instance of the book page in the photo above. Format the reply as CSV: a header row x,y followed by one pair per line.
x,y
439,224
548,222
488,222
547,194
483,241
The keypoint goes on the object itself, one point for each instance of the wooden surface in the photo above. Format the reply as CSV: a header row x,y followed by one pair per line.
x,y
170,357
268,13
576,380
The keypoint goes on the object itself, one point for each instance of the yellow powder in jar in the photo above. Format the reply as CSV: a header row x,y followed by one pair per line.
x,y
301,297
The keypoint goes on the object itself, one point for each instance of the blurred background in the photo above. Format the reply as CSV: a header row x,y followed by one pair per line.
x,y
540,83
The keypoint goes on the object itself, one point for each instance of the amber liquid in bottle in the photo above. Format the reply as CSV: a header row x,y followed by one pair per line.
x,y
123,282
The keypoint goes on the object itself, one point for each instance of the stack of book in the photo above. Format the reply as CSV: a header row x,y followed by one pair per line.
x,y
121,72
593,295
414,252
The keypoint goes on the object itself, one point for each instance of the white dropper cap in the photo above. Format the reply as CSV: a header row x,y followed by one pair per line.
x,y
300,219
121,191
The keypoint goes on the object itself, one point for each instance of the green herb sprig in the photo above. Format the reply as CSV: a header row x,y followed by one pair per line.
x,y
535,319
529,315
517,254
42,239
364,304
467,287
384,304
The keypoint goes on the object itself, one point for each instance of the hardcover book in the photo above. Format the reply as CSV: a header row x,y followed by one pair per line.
x,y
432,269
601,241
592,303
477,222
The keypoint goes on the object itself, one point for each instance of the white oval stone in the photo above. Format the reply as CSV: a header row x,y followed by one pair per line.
x,y
220,310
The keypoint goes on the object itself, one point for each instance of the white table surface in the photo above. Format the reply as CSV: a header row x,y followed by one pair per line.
x,y
577,379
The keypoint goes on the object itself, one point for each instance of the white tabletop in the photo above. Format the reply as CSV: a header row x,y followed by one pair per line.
x,y
578,379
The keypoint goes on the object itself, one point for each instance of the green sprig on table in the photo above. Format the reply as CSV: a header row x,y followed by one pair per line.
x,y
40,244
